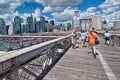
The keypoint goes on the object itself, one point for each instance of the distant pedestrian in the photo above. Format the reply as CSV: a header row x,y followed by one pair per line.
x,y
74,38
83,37
107,38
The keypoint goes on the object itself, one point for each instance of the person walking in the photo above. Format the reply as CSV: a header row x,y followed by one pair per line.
x,y
107,38
83,38
74,38
91,37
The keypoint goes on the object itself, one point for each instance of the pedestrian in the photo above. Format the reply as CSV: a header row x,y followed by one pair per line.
x,y
107,38
74,38
91,37
83,38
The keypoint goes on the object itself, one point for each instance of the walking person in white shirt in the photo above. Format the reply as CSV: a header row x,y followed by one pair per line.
x,y
107,38
83,37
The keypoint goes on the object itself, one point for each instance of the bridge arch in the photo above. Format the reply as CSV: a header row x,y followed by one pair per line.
x,y
85,24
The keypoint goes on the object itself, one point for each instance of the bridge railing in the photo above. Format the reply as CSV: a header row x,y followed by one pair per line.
x,y
32,62
49,33
114,40
9,43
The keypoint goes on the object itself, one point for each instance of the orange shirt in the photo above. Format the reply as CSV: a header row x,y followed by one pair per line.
x,y
91,39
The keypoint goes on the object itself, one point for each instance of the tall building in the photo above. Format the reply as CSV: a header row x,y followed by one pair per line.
x,y
46,26
51,23
24,28
30,24
42,25
35,21
116,24
7,28
10,30
38,26
17,25
97,22
3,29
104,25
69,26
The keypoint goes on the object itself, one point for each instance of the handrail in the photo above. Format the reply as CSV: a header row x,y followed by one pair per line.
x,y
19,57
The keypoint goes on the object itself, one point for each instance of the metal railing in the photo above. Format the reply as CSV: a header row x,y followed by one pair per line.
x,y
31,63
9,43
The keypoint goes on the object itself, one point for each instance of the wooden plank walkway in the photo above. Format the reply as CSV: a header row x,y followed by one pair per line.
x,y
112,57
77,64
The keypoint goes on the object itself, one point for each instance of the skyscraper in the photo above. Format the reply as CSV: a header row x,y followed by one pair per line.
x,y
97,22
104,25
69,26
30,24
17,25
3,29
38,27
116,24
42,24
51,23
46,26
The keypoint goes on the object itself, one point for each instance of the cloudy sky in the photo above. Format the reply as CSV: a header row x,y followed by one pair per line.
x,y
59,10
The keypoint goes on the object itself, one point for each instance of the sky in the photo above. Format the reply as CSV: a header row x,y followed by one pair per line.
x,y
59,10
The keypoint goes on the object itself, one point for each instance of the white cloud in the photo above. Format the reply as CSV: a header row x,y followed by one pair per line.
x,y
57,6
49,9
66,15
91,9
89,13
111,10
37,14
60,3
60,9
109,3
7,8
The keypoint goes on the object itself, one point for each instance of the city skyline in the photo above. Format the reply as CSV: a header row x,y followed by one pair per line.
x,y
59,10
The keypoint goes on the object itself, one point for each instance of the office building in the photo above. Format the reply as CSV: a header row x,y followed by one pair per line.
x,y
38,26
69,26
51,24
30,24
116,24
42,23
24,28
46,26
7,28
104,25
3,30
17,25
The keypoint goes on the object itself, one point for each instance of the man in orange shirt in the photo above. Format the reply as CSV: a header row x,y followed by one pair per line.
x,y
91,41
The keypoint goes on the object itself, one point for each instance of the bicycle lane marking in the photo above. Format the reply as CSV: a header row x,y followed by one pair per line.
x,y
108,70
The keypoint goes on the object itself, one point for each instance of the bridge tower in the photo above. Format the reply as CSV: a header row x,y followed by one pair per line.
x,y
76,22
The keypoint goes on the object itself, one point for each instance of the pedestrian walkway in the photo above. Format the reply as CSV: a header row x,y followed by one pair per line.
x,y
77,64
112,56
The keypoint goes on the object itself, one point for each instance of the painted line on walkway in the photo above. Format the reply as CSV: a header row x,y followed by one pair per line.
x,y
108,70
